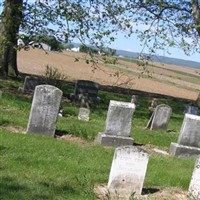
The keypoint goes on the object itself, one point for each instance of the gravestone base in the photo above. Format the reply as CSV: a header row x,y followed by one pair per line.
x,y
113,140
183,151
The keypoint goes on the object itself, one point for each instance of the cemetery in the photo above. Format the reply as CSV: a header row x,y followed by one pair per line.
x,y
101,151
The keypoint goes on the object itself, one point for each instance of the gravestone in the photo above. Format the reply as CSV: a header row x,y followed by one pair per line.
x,y
198,100
118,125
160,118
1,94
189,138
30,83
194,187
134,99
84,114
44,110
86,89
191,110
128,171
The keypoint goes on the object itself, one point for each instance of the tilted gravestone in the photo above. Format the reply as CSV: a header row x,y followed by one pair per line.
x,y
189,138
118,125
128,171
194,187
160,118
30,83
84,114
44,110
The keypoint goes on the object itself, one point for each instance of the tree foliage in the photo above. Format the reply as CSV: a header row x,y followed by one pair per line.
x,y
158,23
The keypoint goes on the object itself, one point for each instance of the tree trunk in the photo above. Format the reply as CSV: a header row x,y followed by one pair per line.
x,y
9,28
196,14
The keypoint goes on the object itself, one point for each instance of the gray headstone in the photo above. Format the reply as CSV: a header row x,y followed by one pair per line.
x,y
194,187
85,88
191,110
189,138
160,117
190,131
198,100
128,171
134,99
44,110
118,124
30,83
119,118
84,114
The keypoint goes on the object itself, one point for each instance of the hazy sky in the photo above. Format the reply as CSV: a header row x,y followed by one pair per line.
x,y
133,44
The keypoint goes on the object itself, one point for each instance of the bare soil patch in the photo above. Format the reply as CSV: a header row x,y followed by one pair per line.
x,y
124,74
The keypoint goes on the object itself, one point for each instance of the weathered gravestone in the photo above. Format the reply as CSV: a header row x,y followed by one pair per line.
x,y
128,171
194,187
191,110
84,114
118,125
160,117
44,110
86,89
30,83
198,100
189,138
134,99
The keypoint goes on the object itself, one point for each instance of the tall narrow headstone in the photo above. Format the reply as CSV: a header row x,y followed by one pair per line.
x,y
44,110
194,187
118,124
128,171
160,118
189,138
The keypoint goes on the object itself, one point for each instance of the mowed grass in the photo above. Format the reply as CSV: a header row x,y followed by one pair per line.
x,y
39,167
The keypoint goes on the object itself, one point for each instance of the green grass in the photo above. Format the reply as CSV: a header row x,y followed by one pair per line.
x,y
39,167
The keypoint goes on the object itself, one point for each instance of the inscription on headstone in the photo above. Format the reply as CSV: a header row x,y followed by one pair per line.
x,y
194,187
44,110
189,138
160,118
128,171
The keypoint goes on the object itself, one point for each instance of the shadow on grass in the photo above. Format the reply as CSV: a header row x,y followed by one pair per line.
x,y
146,191
10,188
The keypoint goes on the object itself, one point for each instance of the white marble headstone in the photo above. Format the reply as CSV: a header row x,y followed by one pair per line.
x,y
194,187
128,171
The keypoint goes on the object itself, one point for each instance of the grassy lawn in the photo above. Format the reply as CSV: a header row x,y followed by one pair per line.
x,y
39,167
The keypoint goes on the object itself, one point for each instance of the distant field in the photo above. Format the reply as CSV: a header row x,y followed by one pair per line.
x,y
183,82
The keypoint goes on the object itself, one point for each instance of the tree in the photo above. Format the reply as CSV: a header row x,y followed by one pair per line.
x,y
158,23
9,28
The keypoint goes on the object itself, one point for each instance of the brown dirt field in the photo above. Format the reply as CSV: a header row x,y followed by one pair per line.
x,y
182,83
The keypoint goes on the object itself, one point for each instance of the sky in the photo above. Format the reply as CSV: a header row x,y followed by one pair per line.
x,y
133,44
